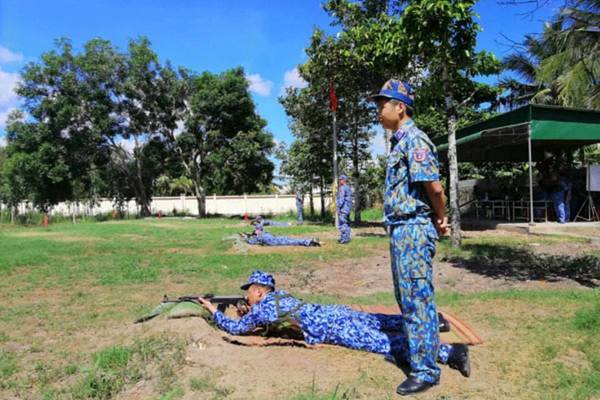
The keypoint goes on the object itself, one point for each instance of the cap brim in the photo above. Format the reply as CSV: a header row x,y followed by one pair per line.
x,y
378,96
246,286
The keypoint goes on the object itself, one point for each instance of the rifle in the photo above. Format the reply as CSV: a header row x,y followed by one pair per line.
x,y
222,303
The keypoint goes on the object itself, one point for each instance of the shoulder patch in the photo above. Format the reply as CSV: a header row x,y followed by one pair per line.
x,y
420,155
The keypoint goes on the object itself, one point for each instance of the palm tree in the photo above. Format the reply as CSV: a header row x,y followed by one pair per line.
x,y
525,64
575,65
562,65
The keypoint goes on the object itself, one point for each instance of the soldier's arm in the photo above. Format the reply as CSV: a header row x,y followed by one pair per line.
x,y
257,316
435,193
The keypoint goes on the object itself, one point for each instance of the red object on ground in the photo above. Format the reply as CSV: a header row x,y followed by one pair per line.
x,y
45,221
246,217
159,214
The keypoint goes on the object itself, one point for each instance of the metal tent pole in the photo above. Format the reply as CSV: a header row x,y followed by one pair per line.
x,y
531,222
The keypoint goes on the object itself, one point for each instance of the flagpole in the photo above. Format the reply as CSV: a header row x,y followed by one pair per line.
x,y
334,104
335,164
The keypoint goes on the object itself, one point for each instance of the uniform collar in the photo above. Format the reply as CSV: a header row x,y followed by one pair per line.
x,y
400,133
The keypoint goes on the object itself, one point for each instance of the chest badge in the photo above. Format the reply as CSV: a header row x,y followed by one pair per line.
x,y
420,155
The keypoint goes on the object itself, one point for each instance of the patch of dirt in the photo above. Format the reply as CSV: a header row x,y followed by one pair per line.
x,y
134,237
31,234
59,237
565,248
361,277
187,251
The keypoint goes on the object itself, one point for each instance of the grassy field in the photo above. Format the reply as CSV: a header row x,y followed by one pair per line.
x,y
63,288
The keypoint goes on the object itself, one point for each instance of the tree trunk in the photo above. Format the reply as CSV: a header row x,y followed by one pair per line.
x,y
200,199
143,200
322,188
452,159
13,214
312,202
357,192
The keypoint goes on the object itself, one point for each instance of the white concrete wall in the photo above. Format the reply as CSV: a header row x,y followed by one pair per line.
x,y
225,205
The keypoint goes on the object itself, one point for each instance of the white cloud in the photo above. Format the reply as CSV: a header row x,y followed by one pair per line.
x,y
2,141
4,116
127,145
259,85
292,79
7,56
8,83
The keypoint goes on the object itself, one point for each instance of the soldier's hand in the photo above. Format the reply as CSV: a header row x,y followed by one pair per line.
x,y
242,308
441,225
207,304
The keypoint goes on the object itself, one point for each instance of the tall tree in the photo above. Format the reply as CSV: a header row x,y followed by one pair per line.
x,y
223,144
574,67
328,66
442,35
311,154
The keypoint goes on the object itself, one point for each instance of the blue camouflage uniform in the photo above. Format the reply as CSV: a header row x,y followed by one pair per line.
x,y
412,160
261,237
299,207
562,204
268,222
343,204
332,324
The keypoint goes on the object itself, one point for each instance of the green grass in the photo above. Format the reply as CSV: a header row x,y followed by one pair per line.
x,y
84,277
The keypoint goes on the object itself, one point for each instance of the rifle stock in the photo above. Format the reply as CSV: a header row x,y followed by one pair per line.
x,y
222,303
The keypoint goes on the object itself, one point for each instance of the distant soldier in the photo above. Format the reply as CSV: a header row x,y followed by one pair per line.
x,y
343,204
267,222
299,206
261,237
562,199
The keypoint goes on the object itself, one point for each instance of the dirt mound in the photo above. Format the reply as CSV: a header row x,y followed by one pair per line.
x,y
213,366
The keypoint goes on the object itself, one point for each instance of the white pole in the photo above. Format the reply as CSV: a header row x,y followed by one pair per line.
x,y
530,176
335,164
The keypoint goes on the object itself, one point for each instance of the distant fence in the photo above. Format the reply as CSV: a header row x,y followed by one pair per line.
x,y
272,204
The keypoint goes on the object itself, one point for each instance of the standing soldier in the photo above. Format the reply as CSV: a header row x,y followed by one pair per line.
x,y
414,211
343,204
299,205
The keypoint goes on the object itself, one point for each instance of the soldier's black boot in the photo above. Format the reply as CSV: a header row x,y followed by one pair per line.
x,y
411,386
459,359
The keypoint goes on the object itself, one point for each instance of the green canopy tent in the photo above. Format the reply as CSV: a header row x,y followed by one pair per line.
x,y
525,134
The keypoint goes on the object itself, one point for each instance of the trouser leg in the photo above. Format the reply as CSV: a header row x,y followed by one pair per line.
x,y
412,249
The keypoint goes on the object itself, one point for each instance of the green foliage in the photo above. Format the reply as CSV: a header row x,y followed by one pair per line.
x,y
86,107
559,66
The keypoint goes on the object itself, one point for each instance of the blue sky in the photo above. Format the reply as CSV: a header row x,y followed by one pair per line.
x,y
267,38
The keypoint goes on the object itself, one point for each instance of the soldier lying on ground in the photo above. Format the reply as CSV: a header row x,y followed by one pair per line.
x,y
261,237
268,222
331,324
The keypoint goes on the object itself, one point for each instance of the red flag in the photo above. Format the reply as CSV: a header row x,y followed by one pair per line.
x,y
332,97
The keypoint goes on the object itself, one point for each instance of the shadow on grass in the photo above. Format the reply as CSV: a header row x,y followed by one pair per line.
x,y
372,234
520,264
367,224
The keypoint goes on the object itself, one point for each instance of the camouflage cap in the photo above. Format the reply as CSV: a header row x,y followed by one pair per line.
x,y
262,278
397,90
